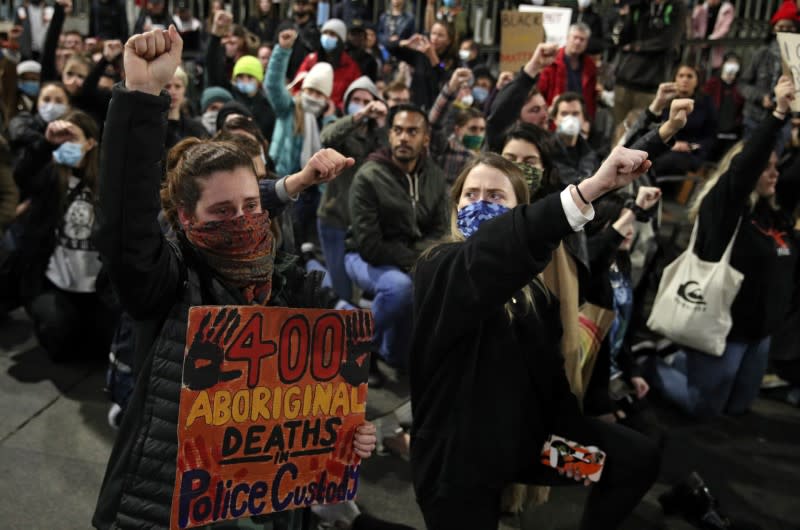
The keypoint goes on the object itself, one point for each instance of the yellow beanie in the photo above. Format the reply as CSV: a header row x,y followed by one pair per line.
x,y
249,65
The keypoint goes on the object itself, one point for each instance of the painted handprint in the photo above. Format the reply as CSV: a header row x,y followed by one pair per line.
x,y
360,329
201,366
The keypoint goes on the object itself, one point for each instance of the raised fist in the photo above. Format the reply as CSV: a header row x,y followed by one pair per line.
x,y
60,131
112,49
221,25
543,56
286,38
151,59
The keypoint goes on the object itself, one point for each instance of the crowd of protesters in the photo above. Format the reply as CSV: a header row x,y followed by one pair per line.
x,y
484,216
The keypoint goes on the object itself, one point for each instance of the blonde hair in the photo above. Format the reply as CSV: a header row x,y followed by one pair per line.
x,y
520,186
724,167
180,73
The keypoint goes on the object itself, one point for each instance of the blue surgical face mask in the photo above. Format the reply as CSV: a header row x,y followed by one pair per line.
x,y
29,88
471,216
328,42
449,3
69,154
52,111
246,87
353,108
480,94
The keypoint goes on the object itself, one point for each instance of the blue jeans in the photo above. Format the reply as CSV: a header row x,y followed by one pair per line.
x,y
703,385
331,239
391,305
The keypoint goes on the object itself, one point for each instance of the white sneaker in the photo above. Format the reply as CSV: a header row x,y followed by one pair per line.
x,y
339,515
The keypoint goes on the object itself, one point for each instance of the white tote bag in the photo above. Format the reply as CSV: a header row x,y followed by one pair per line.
x,y
693,304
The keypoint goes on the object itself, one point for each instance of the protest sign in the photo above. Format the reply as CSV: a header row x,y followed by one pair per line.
x,y
520,33
270,401
790,57
556,21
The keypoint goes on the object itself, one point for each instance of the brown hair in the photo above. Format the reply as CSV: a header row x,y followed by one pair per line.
x,y
464,115
90,165
191,161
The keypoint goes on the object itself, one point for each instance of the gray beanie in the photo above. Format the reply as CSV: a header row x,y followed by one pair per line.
x,y
362,83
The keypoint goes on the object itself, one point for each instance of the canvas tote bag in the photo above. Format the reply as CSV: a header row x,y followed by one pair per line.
x,y
693,304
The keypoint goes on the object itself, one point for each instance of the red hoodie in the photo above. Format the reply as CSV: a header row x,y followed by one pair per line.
x,y
344,74
553,81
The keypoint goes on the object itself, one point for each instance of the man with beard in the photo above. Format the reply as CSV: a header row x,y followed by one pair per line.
x,y
398,208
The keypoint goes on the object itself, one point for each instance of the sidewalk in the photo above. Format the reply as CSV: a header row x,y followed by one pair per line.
x,y
55,441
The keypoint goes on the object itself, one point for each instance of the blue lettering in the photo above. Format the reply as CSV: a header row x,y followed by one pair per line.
x,y
235,511
257,491
188,493
277,504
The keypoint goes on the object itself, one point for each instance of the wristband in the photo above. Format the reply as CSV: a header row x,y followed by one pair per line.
x,y
578,189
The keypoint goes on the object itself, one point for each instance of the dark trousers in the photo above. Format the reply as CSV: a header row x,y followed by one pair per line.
x,y
71,325
632,463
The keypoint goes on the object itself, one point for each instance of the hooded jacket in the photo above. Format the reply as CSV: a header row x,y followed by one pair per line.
x,y
395,215
345,71
553,80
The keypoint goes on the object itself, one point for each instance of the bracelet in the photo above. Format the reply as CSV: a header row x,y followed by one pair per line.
x,y
781,112
578,189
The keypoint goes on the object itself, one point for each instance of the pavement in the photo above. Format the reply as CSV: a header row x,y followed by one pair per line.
x,y
55,442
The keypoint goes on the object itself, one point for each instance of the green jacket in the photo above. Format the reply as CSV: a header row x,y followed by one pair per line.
x,y
350,139
396,216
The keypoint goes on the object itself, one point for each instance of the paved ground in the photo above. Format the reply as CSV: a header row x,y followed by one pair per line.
x,y
54,443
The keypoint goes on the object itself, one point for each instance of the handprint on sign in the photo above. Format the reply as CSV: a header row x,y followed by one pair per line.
x,y
201,367
355,368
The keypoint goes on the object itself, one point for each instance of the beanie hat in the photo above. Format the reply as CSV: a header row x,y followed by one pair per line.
x,y
787,11
362,83
29,67
213,94
320,77
337,26
247,64
231,107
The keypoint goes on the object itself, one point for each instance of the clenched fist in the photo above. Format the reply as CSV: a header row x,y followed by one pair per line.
x,y
151,59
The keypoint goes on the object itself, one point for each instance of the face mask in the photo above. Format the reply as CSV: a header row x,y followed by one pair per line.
x,y
583,4
480,94
29,88
328,42
209,120
463,55
246,87
467,100
68,154
471,217
729,71
472,141
569,126
52,111
449,3
353,108
533,176
313,105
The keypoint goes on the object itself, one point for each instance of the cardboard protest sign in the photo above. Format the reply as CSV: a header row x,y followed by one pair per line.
x,y
556,21
520,33
790,57
270,401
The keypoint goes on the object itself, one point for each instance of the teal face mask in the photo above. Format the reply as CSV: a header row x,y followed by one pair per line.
x,y
472,141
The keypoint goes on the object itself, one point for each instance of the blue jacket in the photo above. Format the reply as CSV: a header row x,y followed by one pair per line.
x,y
285,146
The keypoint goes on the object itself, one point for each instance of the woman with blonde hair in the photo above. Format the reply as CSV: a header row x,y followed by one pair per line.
x,y
487,378
739,202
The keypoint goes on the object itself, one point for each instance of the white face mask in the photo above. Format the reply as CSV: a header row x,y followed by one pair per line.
x,y
569,126
583,4
468,100
729,71
463,55
312,104
209,120
52,111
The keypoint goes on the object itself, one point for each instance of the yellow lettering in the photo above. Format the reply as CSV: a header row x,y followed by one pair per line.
x,y
240,406
201,408
276,403
260,399
222,407
307,400
340,401
292,404
322,400
356,406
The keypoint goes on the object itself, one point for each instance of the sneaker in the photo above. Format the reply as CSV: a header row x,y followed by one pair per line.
x,y
770,381
692,499
339,515
115,416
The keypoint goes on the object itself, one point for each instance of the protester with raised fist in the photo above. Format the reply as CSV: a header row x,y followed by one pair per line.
x,y
210,193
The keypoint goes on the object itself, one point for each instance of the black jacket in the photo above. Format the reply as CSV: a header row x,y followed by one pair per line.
x,y
654,33
395,216
506,107
574,164
157,281
218,76
182,128
481,384
764,252
426,79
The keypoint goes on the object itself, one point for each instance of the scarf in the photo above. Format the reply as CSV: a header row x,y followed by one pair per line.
x,y
311,141
240,251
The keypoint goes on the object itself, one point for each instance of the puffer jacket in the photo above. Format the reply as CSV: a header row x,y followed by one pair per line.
x,y
156,281
758,79
395,216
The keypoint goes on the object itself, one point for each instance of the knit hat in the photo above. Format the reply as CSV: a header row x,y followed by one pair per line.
x,y
320,77
362,83
231,107
29,67
214,94
787,11
337,26
247,64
